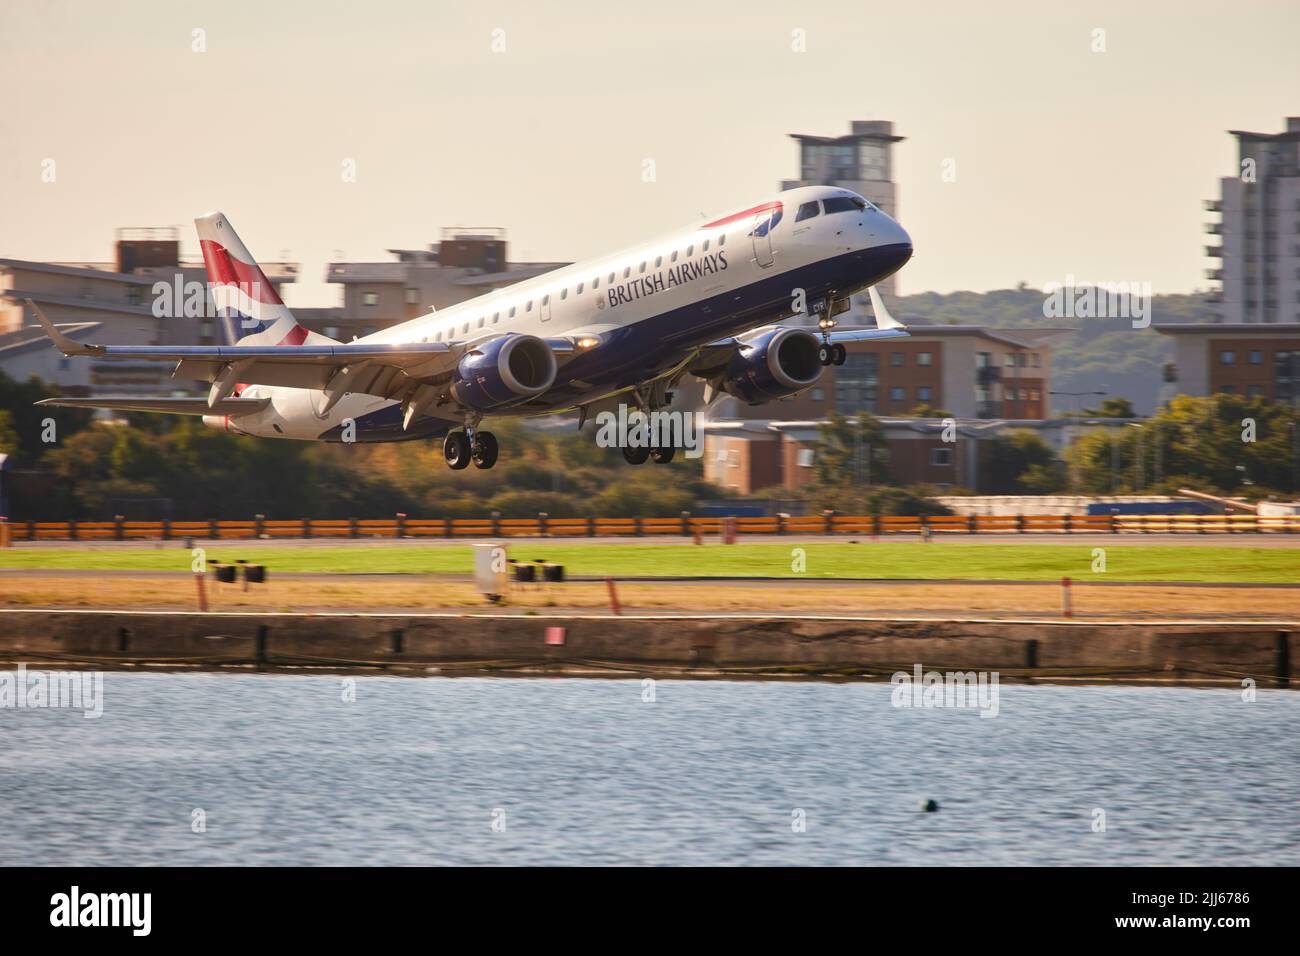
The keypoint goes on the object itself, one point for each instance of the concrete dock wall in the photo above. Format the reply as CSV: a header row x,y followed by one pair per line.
x,y
701,645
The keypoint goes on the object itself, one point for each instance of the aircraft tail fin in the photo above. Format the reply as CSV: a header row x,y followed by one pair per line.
x,y
250,309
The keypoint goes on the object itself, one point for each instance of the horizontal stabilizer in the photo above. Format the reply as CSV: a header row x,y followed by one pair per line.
x,y
233,407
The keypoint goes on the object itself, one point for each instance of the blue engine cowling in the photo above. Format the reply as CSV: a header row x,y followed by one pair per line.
x,y
773,365
504,371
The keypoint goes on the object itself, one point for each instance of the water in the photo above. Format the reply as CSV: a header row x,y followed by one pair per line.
x,y
413,771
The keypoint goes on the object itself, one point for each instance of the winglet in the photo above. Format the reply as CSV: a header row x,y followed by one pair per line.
x,y
883,319
64,344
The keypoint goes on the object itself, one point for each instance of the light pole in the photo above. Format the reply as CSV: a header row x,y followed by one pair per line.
x,y
1137,460
1074,471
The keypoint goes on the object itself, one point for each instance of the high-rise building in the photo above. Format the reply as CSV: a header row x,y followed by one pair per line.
x,y
861,161
1259,257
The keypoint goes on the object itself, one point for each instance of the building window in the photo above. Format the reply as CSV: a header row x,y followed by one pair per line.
x,y
896,359
818,394
1254,391
1227,357
805,458
1010,360
370,298
924,358
412,296
134,294
1034,360
1256,358
857,382
897,394
941,456
1035,395
923,393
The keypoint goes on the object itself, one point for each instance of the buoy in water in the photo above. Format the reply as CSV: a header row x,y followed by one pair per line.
x,y
929,806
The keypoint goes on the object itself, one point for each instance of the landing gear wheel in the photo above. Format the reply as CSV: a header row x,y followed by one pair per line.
x,y
483,449
636,456
838,354
826,353
455,448
662,456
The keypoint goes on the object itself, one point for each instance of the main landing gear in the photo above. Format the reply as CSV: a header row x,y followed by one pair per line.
x,y
460,448
639,456
830,354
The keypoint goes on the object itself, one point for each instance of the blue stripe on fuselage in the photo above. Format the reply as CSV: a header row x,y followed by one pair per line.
x,y
655,344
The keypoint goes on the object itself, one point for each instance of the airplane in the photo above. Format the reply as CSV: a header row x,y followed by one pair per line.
x,y
704,301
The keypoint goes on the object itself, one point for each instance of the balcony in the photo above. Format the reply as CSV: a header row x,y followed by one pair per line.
x,y
1214,252
1214,297
1214,274
988,409
987,375
1214,228
1213,205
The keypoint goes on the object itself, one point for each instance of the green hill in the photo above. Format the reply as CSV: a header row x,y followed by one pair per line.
x,y
1107,353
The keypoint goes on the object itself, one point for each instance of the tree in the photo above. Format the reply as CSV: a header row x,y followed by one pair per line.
x,y
1111,408
850,452
1224,443
1020,462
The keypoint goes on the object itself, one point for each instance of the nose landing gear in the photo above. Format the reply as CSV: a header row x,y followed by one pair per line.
x,y
829,354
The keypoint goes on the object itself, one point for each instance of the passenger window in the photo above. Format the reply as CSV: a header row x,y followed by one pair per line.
x,y
722,239
706,245
659,260
627,271
690,250
465,330
546,300
807,211
595,283
529,306
564,294
512,312
438,337
496,317
611,277
579,288
481,320
674,256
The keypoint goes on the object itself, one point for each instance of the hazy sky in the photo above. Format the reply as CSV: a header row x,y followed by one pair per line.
x,y
1067,161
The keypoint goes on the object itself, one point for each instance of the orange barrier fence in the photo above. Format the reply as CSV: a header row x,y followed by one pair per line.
x,y
400,526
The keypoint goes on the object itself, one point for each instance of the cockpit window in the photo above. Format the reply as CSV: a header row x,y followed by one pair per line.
x,y
844,204
807,211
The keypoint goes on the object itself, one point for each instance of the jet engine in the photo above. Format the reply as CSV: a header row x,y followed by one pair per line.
x,y
504,371
772,365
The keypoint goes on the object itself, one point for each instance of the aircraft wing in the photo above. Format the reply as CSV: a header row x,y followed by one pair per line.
x,y
387,369
233,407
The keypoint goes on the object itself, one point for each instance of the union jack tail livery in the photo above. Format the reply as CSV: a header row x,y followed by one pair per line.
x,y
251,310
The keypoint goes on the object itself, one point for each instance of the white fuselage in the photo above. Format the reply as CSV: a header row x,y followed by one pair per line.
x,y
704,266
